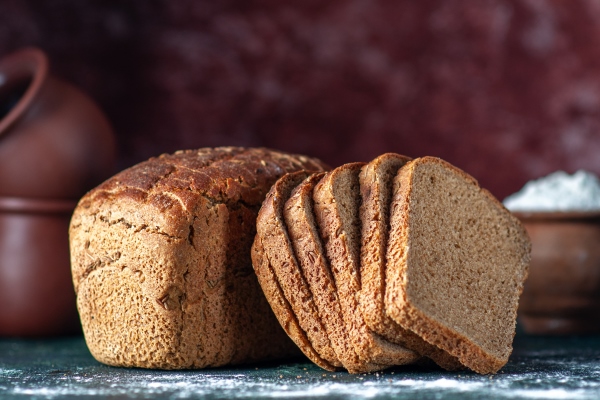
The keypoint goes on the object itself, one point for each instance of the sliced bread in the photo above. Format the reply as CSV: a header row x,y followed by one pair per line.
x,y
456,263
304,234
281,307
376,184
336,208
275,263
376,180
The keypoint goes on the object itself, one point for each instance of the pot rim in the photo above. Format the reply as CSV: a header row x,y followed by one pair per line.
x,y
36,205
29,62
556,215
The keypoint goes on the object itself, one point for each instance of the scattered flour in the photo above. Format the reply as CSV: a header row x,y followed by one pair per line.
x,y
580,384
558,191
547,394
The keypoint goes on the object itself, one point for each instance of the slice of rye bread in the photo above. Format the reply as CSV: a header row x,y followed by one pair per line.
x,y
456,263
304,234
160,257
336,208
272,234
376,184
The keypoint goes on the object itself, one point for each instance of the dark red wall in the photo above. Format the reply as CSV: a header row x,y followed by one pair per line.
x,y
507,90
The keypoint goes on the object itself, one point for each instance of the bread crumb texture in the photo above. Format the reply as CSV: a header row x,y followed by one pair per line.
x,y
161,263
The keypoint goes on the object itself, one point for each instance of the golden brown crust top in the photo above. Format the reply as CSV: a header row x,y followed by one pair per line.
x,y
175,184
224,174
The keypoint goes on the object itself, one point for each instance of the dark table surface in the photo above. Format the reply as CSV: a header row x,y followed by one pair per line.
x,y
539,368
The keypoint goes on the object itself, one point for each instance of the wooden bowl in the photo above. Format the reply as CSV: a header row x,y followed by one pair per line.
x,y
562,293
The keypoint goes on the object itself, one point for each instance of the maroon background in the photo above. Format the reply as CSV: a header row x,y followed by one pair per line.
x,y
507,90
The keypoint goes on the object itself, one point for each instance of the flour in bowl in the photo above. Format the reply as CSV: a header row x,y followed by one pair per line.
x,y
558,191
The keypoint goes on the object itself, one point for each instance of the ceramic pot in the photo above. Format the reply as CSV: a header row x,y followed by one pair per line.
x,y
37,292
55,144
54,141
562,293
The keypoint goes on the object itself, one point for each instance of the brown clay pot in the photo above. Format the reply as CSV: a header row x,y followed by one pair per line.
x,y
54,141
35,279
55,144
562,293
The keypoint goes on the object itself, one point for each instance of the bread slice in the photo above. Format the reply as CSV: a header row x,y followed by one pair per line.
x,y
160,257
273,244
376,184
456,263
376,180
336,207
304,234
281,307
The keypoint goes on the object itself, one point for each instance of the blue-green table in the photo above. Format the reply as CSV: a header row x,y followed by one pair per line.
x,y
540,368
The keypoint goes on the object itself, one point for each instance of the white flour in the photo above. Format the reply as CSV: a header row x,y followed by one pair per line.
x,y
202,384
558,191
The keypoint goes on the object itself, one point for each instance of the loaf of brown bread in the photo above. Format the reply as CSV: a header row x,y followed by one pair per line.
x,y
161,261
456,264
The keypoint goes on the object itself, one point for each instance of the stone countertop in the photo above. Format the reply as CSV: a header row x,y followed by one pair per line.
x,y
540,368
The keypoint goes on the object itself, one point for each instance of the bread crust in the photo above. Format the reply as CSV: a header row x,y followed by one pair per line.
x,y
161,266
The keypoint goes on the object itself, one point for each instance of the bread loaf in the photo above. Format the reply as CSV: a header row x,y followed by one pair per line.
x,y
161,261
